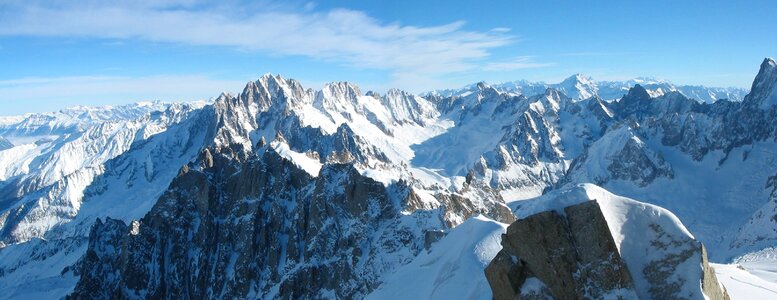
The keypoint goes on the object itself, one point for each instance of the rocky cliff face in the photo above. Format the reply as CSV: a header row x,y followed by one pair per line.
x,y
272,222
622,249
263,227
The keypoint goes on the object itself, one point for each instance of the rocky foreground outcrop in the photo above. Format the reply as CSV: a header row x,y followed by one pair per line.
x,y
567,247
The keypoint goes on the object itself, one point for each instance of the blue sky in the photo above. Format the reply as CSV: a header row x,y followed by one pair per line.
x,y
55,54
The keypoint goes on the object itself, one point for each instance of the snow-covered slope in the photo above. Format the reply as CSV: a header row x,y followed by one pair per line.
x,y
742,284
438,272
450,269
57,156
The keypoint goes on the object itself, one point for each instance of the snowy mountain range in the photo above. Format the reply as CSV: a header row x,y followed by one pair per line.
x,y
581,87
287,192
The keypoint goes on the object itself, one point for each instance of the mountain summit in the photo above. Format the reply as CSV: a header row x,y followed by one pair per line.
x,y
764,90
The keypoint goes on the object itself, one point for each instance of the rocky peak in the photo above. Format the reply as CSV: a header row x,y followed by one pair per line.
x,y
579,87
373,94
620,154
554,98
397,93
763,93
341,89
554,93
636,101
637,93
471,100
407,107
483,89
577,79
599,107
338,98
675,102
271,90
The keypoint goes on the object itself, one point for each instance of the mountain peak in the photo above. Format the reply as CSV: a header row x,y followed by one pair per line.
x,y
552,92
635,100
768,66
769,61
764,90
396,92
342,88
577,78
638,92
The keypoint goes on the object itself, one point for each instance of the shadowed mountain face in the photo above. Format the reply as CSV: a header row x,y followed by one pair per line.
x,y
279,189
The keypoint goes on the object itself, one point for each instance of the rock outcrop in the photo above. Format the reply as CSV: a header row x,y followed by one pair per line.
x,y
573,254
262,226
622,249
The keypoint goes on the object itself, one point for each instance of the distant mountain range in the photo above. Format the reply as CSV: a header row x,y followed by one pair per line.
x,y
286,192
580,87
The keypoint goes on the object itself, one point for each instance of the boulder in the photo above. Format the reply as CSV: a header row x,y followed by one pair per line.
x,y
586,243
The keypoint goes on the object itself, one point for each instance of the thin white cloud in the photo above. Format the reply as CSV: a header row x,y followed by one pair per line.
x,y
341,36
517,63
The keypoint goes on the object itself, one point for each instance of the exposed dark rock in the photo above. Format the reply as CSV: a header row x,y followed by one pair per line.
x,y
600,267
506,274
544,243
634,164
709,284
576,257
259,226
431,237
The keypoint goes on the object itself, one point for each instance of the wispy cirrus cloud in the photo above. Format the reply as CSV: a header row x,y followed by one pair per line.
x,y
341,36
